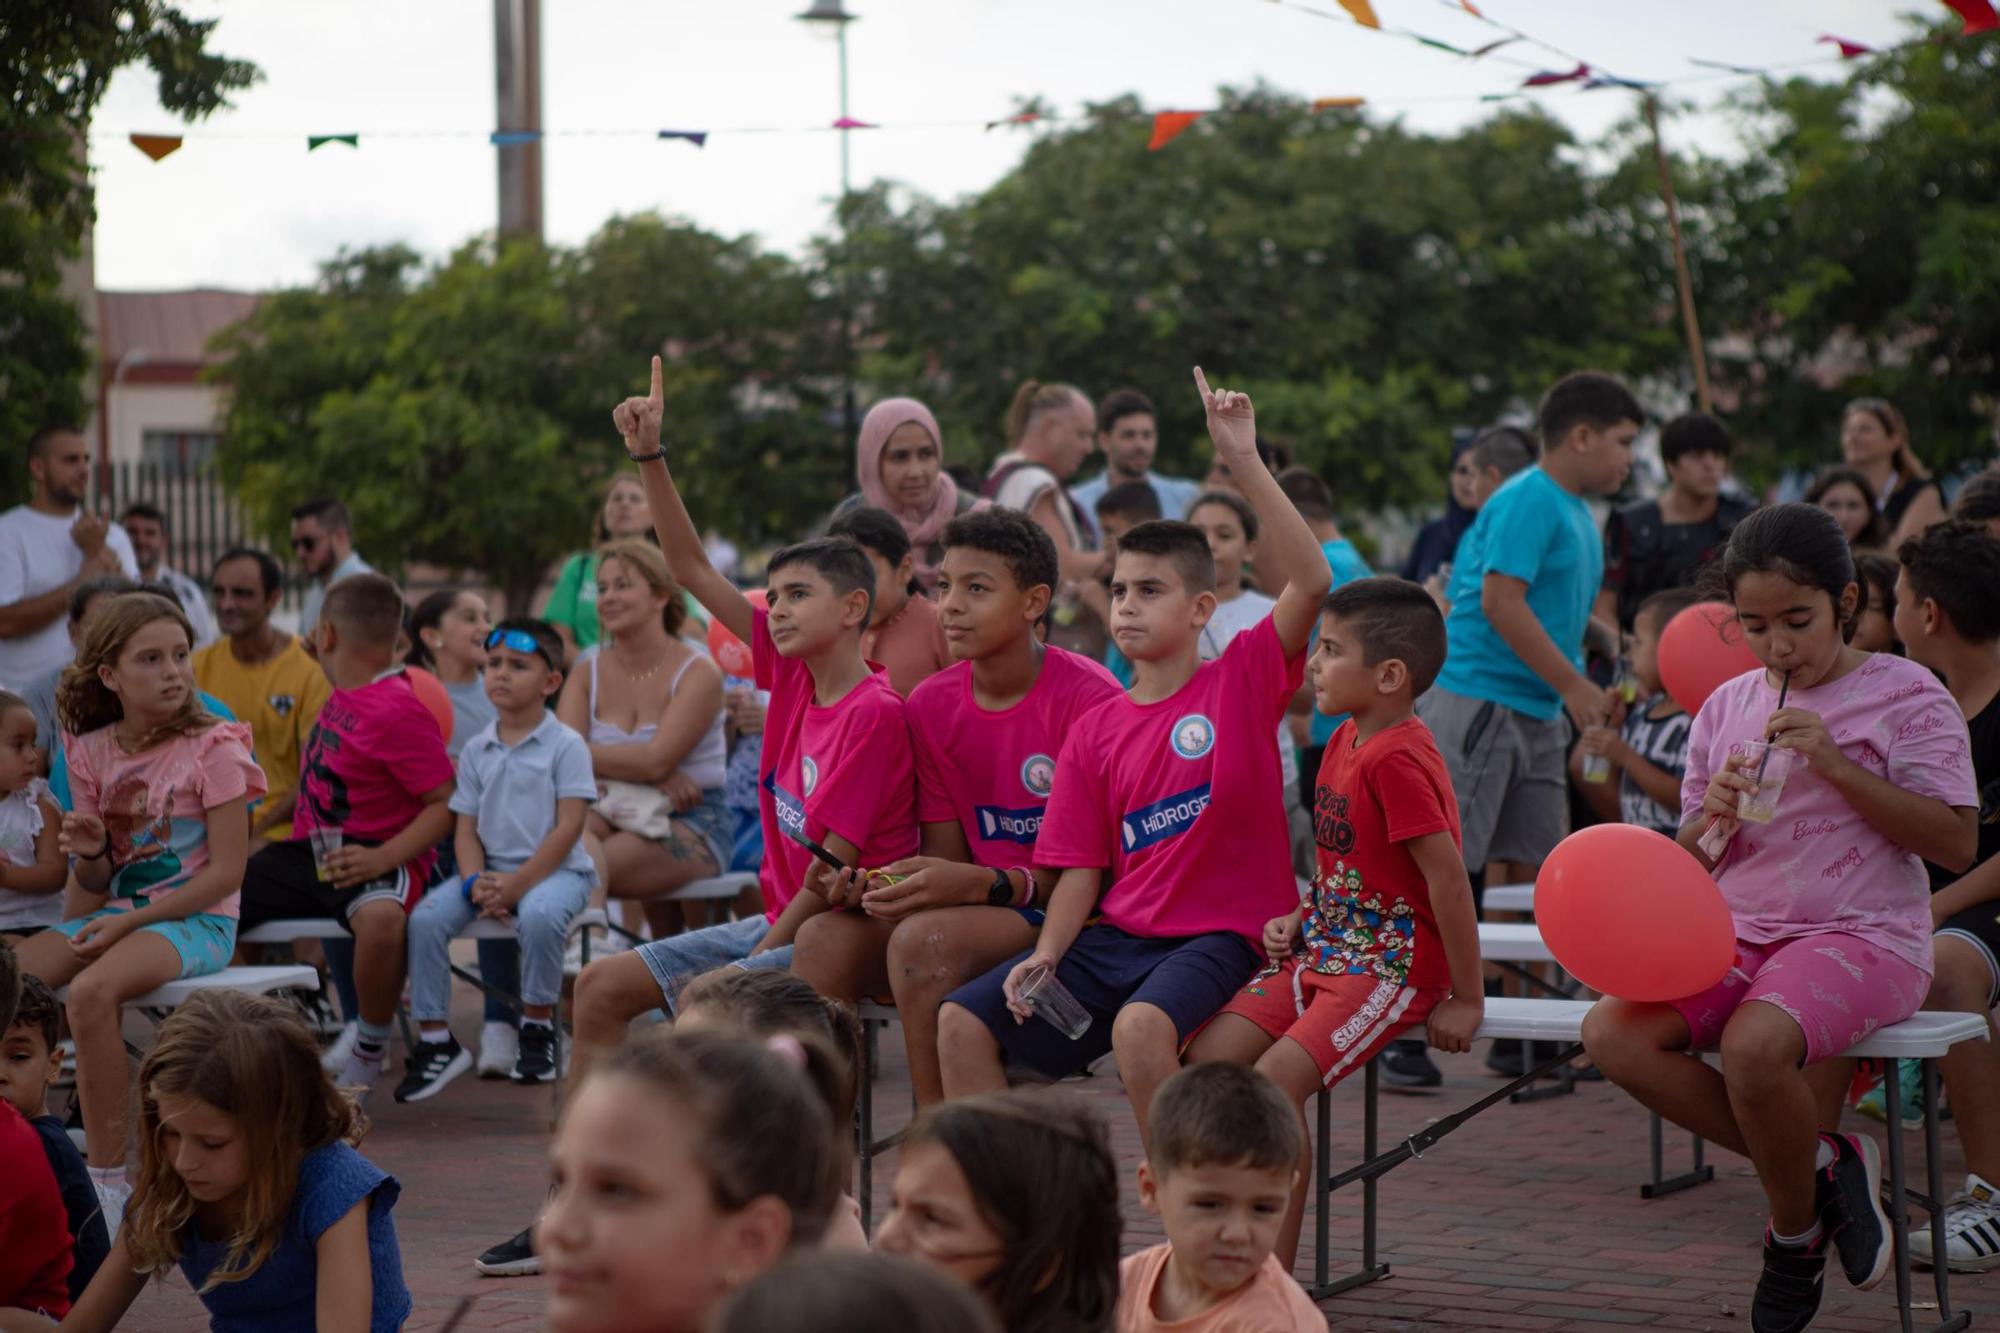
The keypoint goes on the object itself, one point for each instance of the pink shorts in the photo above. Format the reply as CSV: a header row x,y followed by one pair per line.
x,y
1838,988
1343,1021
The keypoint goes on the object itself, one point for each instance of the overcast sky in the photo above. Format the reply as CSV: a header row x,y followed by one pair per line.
x,y
243,205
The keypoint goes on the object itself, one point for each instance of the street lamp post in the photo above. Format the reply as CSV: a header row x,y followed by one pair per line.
x,y
832,15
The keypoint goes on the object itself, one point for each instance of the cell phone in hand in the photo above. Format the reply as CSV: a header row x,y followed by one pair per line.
x,y
820,853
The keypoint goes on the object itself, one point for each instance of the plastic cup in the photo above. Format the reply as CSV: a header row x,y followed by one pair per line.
x,y
1053,1003
1596,768
1775,764
325,842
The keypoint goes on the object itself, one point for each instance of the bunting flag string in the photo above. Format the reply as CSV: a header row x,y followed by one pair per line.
x,y
1549,78
699,138
1018,118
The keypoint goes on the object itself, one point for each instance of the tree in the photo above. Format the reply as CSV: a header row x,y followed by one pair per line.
x,y
55,62
463,412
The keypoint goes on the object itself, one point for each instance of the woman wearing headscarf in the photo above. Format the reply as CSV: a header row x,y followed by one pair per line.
x,y
1437,540
899,464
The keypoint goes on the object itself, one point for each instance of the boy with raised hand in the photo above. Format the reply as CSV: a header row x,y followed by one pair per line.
x,y
1171,797
1390,940
524,786
836,765
1225,1154
375,771
30,1061
986,731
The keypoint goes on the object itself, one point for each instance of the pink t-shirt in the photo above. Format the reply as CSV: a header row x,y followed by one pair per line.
x,y
155,804
845,769
370,758
1181,799
992,770
1270,1302
1820,866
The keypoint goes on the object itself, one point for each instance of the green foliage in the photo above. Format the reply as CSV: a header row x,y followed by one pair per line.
x,y
55,62
463,412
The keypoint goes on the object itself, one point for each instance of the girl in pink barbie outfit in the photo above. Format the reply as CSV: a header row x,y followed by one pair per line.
x,y
1830,898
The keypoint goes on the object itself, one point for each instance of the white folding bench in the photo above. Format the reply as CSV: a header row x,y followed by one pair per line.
x,y
251,980
1923,1038
875,1018
1508,898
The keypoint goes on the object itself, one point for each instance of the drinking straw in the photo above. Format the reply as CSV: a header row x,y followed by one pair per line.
x,y
1784,688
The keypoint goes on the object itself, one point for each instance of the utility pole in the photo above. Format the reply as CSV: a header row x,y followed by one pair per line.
x,y
517,73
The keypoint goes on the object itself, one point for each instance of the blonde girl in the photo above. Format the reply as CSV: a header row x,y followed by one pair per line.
x,y
249,1183
157,840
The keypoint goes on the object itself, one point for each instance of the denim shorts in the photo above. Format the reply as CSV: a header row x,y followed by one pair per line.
x,y
715,822
679,959
204,941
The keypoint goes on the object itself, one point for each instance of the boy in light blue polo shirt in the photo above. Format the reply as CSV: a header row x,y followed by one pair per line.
x,y
524,786
1522,586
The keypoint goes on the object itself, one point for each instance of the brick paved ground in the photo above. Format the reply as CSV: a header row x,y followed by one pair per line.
x,y
1528,1218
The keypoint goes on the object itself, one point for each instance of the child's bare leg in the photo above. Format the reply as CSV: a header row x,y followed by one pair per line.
x,y
1971,1069
1289,1066
1762,1047
1643,1049
1230,1039
932,954
843,955
1830,1080
1147,1046
610,993
379,951
132,966
968,1054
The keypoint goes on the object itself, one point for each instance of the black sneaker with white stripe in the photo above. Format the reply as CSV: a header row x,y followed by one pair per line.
x,y
1848,1192
432,1066
537,1061
1789,1289
511,1258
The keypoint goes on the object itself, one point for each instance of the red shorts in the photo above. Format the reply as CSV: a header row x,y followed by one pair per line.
x,y
1342,1022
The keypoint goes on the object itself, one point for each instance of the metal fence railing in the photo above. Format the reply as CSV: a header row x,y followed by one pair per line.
x,y
203,518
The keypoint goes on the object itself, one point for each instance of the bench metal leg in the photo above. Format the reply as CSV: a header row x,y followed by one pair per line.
x,y
1934,1184
865,1130
1370,1270
1659,1186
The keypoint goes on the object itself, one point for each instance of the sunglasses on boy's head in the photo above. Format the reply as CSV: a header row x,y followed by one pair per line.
x,y
520,641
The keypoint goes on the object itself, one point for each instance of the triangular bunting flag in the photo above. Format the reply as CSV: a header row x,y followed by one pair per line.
x,y
1168,126
510,138
850,123
1549,77
1364,13
699,138
1018,118
156,146
1491,47
1978,15
1470,8
315,140
1336,103
1442,46
1596,81
1848,50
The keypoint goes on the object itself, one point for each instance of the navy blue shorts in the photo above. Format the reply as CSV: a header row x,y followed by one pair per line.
x,y
1187,978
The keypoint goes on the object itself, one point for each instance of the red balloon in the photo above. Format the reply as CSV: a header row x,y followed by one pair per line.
x,y
1631,913
1700,649
430,693
731,653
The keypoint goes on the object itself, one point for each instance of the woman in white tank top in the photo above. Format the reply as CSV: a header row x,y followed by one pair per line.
x,y
650,705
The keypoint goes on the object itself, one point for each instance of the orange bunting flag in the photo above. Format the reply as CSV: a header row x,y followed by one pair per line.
x,y
156,146
1364,13
1018,118
1470,8
1168,126
1978,15
1848,50
1336,103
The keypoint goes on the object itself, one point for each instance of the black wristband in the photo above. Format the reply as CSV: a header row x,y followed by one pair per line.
x,y
655,456
1001,894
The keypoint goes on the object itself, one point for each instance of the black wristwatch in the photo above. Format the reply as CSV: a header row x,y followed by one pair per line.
x,y
1002,892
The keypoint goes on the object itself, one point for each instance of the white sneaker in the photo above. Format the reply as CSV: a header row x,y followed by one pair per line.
x,y
603,943
499,1047
359,1073
341,1051
1971,1231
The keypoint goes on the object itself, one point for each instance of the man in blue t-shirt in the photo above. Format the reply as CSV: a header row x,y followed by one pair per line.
x,y
1128,432
1521,592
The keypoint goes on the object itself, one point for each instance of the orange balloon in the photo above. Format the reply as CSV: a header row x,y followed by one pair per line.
x,y
731,653
1700,649
430,693
1631,913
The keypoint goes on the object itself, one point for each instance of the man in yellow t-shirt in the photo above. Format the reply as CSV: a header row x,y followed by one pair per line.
x,y
265,676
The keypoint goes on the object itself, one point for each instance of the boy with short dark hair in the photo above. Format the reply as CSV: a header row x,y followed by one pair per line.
x,y
1225,1154
836,766
986,732
1646,753
1386,938
1948,617
1653,545
524,786
30,1061
1119,510
35,1250
375,772
1128,432
1166,821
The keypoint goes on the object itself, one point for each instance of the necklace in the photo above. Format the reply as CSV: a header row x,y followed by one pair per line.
x,y
632,675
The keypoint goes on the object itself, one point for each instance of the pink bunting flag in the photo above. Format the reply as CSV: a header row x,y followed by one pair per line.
x,y
1364,12
156,146
1548,78
1470,8
1168,126
1978,15
850,123
1018,118
1848,50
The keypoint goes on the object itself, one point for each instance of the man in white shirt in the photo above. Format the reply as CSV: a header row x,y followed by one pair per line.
x,y
47,547
323,540
146,525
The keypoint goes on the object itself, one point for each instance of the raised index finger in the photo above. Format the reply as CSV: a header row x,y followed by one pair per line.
x,y
1201,382
657,396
